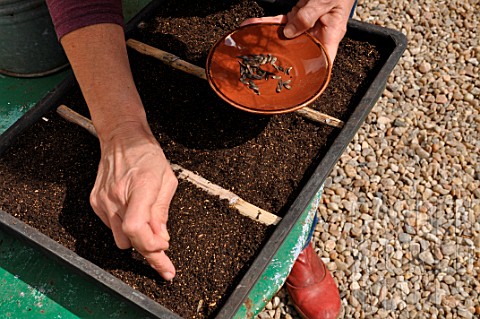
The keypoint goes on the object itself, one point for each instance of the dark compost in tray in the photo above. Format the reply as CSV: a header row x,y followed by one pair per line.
x,y
46,177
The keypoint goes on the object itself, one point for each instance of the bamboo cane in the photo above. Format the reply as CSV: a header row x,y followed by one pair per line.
x,y
179,64
72,116
316,116
243,207
167,58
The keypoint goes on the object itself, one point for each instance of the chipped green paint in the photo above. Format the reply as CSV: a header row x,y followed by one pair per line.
x,y
18,96
274,276
32,285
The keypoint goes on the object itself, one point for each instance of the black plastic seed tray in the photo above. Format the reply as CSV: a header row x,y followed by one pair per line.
x,y
393,43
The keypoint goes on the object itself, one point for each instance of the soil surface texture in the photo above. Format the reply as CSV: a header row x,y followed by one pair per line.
x,y
47,175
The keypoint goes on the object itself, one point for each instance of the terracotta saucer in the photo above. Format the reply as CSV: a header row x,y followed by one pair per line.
x,y
256,69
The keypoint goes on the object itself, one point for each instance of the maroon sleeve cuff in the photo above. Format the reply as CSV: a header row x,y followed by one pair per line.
x,y
69,15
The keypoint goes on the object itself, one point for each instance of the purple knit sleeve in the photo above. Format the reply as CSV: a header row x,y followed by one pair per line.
x,y
69,15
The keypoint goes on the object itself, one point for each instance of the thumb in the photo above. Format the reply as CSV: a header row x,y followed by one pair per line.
x,y
301,20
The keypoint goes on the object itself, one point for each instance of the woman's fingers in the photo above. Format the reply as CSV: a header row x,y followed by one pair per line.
x,y
121,240
138,218
304,16
161,263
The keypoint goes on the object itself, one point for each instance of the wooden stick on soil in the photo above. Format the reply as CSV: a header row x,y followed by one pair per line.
x,y
177,63
234,201
316,116
167,58
72,116
245,208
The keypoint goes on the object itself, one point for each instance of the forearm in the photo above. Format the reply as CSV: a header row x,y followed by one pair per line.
x,y
98,56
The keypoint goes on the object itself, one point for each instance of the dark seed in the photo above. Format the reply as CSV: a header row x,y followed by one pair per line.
x,y
251,70
252,85
279,86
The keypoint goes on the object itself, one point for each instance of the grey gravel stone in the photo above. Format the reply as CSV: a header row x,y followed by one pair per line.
x,y
404,237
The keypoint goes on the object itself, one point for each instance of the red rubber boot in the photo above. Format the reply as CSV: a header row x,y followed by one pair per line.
x,y
312,288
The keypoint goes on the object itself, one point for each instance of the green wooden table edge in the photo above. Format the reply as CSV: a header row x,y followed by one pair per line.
x,y
275,275
33,285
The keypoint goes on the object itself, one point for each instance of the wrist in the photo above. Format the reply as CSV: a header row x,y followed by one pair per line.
x,y
127,130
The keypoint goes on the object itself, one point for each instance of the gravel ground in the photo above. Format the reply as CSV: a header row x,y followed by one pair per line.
x,y
400,219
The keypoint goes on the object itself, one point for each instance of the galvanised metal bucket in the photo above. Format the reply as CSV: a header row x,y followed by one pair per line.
x,y
28,43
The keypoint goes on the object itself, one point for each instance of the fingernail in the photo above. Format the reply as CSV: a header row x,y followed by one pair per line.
x,y
290,31
168,276
165,236
164,233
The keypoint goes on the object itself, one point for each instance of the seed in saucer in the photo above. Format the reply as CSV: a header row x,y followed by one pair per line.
x,y
251,69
